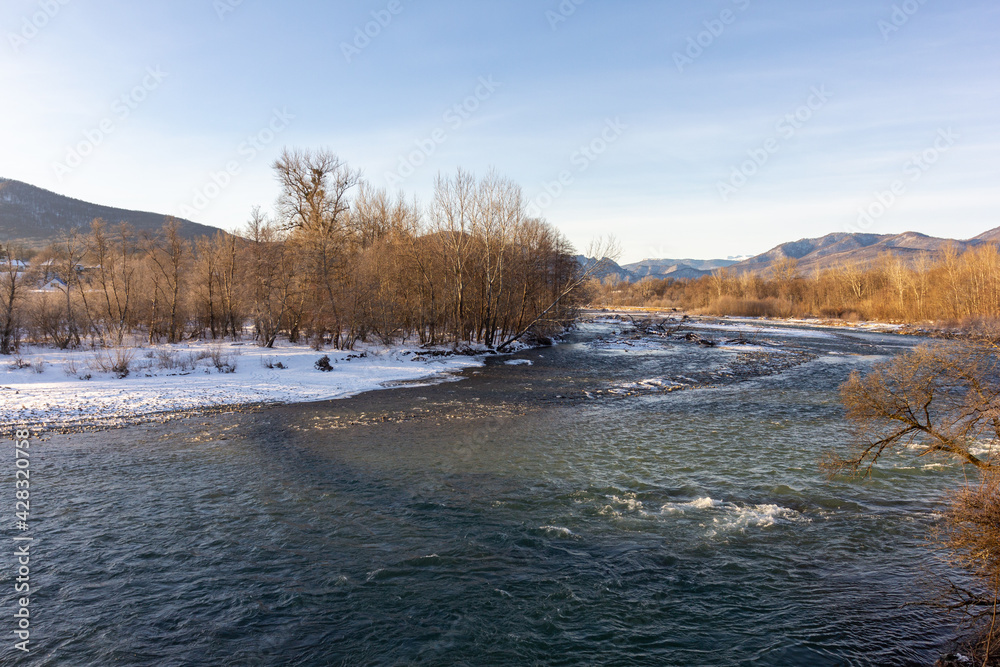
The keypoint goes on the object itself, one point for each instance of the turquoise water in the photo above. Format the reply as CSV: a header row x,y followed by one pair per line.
x,y
526,515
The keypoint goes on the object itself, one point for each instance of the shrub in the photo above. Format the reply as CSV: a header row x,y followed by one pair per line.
x,y
831,312
324,364
170,360
117,360
769,307
224,363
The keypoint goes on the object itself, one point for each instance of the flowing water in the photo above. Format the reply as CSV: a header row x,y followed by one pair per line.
x,y
572,511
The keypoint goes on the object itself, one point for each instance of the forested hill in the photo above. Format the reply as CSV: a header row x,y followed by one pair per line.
x,y
35,217
836,250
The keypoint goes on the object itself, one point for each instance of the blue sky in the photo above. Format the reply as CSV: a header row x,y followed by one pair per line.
x,y
704,129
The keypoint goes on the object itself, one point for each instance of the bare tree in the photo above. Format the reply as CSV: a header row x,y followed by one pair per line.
x,y
452,215
13,282
116,277
169,256
205,280
269,276
499,212
941,399
602,251
314,205
721,280
60,267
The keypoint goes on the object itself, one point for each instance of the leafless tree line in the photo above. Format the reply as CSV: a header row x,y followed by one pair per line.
x,y
955,287
337,262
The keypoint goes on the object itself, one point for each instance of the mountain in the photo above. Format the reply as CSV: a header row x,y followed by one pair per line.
x,y
657,268
826,252
699,264
610,268
676,268
992,236
835,250
35,217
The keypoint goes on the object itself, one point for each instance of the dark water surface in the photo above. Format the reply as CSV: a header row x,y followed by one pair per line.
x,y
526,515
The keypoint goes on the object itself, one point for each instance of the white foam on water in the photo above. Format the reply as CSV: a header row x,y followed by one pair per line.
x,y
649,384
703,503
624,345
557,531
629,502
757,516
621,505
736,517
699,504
736,347
983,448
519,362
790,332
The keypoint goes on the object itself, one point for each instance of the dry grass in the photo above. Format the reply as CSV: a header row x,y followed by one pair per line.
x,y
737,307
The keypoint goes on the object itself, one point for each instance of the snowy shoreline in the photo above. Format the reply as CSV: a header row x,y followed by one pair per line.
x,y
67,390
64,390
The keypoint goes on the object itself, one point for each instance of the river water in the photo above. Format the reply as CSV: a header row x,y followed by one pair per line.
x,y
571,511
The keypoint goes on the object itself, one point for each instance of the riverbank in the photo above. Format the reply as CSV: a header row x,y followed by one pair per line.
x,y
60,390
64,391
922,329
823,323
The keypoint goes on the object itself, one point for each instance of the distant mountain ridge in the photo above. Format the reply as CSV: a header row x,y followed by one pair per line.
x,y
813,254
35,217
675,268
656,268
838,249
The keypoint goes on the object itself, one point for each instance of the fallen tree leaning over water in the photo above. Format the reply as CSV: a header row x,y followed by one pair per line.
x,y
943,399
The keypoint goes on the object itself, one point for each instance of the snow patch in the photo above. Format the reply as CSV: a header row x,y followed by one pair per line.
x,y
59,389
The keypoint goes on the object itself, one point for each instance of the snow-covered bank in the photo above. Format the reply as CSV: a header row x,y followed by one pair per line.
x,y
69,389
610,315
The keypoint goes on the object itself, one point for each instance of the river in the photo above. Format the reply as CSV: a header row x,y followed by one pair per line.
x,y
617,501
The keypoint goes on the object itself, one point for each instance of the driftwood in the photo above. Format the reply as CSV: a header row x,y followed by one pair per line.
x,y
695,338
650,326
